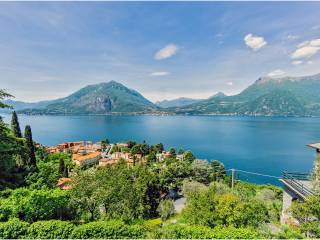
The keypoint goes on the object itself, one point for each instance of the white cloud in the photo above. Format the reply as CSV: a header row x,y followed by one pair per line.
x,y
276,73
166,52
229,83
306,49
292,37
254,42
158,74
297,62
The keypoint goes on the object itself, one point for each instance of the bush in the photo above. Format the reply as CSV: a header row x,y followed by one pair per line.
x,y
53,229
183,231
13,229
34,205
234,233
166,209
288,233
201,232
107,229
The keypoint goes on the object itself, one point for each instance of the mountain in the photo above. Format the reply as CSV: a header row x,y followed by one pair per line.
x,y
19,105
103,98
179,102
287,96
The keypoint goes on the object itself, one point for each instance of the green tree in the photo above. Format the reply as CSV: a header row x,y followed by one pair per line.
x,y
181,151
152,158
15,125
136,149
219,171
188,156
47,173
166,209
30,146
308,215
84,194
12,158
33,205
4,95
202,171
172,152
61,167
131,143
158,147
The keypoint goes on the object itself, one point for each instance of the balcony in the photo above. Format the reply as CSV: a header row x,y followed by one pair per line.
x,y
299,183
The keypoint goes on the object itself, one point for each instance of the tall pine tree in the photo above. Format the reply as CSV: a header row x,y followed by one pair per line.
x,y
30,147
15,125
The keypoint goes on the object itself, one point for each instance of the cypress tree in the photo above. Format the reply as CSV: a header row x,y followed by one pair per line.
x,y
15,125
30,146
66,172
61,167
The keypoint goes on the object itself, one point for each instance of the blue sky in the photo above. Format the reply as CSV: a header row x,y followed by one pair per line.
x,y
162,49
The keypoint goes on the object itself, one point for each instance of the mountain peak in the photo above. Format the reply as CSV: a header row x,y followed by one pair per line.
x,y
266,79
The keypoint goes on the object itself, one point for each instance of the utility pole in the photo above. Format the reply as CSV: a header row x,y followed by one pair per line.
x,y
232,179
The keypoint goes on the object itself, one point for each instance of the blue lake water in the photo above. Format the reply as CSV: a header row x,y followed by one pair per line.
x,y
258,144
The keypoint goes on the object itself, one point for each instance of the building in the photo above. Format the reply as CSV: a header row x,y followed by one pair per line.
x,y
162,156
296,187
88,159
81,147
115,157
64,183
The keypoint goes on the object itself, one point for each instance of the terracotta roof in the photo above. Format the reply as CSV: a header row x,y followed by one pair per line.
x,y
79,157
63,183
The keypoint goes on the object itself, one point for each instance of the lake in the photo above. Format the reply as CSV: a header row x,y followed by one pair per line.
x,y
258,144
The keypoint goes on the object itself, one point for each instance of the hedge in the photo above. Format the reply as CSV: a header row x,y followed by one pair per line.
x,y
13,229
110,229
53,229
201,232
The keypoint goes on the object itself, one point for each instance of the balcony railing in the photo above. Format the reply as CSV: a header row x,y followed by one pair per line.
x,y
297,181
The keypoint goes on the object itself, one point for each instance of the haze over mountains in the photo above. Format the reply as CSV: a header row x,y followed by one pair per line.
x,y
287,96
178,102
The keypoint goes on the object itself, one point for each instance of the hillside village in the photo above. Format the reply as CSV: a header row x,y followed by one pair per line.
x,y
87,153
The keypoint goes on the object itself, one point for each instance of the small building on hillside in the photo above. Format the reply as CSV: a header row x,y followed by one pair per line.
x,y
64,183
88,159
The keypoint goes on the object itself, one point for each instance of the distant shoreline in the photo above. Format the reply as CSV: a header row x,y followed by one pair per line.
x,y
167,114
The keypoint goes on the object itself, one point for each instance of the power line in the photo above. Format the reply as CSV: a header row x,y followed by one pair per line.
x,y
255,173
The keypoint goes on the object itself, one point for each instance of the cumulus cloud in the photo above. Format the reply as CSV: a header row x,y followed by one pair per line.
x,y
166,52
276,73
306,49
229,83
254,42
158,74
297,62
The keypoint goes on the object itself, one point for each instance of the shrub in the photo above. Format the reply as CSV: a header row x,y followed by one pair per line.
x,y
13,229
183,231
166,209
201,232
231,232
34,205
53,229
288,233
107,229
